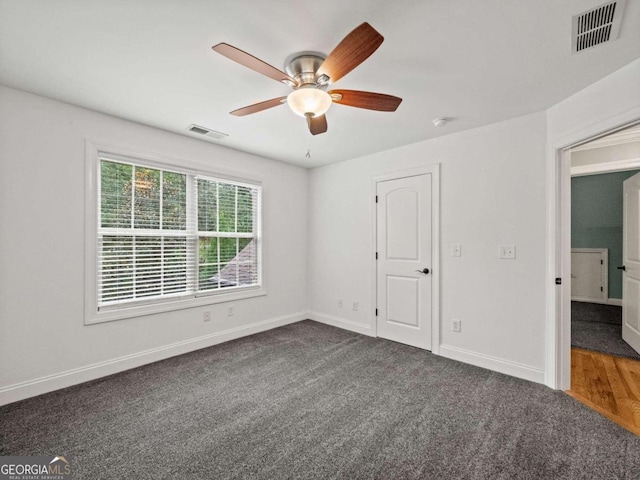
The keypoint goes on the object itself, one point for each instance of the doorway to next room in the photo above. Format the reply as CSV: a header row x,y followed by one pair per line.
x,y
605,369
596,261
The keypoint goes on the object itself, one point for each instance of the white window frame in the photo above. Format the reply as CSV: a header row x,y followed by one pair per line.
x,y
94,154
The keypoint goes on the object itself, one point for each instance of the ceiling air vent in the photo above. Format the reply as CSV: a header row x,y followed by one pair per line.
x,y
596,26
207,132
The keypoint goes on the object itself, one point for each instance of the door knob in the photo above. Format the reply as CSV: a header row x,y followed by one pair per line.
x,y
424,270
623,268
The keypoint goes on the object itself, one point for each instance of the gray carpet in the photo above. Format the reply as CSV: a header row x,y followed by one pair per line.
x,y
310,401
599,328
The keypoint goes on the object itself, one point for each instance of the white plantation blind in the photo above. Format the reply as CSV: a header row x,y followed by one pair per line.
x,y
227,234
166,235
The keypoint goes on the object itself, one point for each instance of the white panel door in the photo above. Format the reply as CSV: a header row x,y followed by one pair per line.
x,y
589,270
631,263
404,281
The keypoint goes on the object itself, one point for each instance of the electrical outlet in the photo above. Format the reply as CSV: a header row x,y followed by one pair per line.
x,y
230,310
508,252
355,306
456,250
340,303
206,316
456,325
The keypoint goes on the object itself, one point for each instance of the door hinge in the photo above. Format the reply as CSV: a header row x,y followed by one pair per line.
x,y
601,262
601,289
376,198
376,312
558,281
376,255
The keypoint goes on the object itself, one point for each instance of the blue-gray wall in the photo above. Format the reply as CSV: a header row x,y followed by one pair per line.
x,y
596,219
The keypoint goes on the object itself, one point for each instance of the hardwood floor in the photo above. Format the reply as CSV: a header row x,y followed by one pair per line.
x,y
607,384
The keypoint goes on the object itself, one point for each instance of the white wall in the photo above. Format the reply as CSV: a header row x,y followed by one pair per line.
x,y
492,193
608,103
44,343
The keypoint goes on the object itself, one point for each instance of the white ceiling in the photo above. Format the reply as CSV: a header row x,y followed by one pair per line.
x,y
474,62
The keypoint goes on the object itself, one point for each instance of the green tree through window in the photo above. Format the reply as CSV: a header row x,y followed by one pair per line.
x,y
164,234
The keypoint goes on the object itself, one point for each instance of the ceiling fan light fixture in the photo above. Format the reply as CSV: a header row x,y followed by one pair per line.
x,y
309,101
310,73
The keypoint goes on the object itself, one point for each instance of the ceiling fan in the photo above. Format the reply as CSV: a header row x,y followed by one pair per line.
x,y
310,73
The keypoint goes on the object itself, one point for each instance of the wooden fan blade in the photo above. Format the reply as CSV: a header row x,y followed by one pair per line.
x,y
249,61
317,124
368,100
354,49
258,107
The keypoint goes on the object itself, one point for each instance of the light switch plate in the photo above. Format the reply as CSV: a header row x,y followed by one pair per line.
x,y
456,250
508,252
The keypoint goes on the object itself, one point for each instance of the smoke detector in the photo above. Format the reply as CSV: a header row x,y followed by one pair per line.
x,y
439,122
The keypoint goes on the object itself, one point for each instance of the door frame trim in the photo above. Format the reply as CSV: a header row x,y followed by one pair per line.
x,y
434,170
558,324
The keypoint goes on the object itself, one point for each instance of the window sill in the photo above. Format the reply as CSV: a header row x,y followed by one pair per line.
x,y
121,313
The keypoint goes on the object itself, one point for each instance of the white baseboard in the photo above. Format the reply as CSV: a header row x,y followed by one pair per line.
x,y
341,323
20,391
454,353
492,363
606,301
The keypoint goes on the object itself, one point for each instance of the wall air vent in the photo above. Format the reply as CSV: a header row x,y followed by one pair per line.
x,y
207,132
596,26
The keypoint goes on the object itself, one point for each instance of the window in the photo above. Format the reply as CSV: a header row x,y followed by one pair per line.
x,y
167,235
